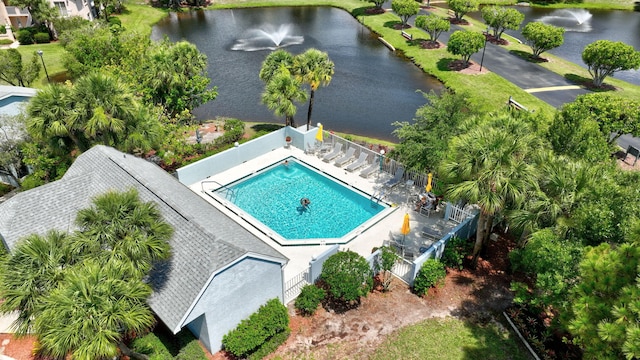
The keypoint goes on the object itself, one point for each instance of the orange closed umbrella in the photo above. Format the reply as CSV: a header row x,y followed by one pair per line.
x,y
429,186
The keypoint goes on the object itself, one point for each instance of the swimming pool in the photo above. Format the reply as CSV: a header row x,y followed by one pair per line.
x,y
13,105
273,196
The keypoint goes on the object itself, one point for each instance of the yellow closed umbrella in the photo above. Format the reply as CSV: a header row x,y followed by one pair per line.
x,y
319,134
405,225
404,230
429,186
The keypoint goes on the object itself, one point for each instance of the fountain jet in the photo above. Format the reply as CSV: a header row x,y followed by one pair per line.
x,y
577,20
267,37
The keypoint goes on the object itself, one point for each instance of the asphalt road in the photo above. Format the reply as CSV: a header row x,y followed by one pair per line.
x,y
529,76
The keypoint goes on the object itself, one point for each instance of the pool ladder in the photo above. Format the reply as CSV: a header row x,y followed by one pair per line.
x,y
228,192
377,196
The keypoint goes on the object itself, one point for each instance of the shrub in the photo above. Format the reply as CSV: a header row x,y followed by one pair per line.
x,y
3,29
31,182
431,274
25,37
256,331
233,131
309,299
348,275
191,351
152,346
66,24
41,38
5,188
270,346
455,251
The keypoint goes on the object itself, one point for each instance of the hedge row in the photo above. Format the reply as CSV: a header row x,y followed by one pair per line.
x,y
256,332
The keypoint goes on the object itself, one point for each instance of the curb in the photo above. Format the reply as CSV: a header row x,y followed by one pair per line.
x,y
524,341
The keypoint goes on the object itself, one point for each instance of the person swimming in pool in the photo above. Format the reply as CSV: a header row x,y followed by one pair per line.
x,y
305,202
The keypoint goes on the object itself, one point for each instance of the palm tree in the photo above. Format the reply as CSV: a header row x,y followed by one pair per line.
x,y
49,118
92,312
273,64
489,166
35,267
313,67
104,107
561,186
281,93
120,226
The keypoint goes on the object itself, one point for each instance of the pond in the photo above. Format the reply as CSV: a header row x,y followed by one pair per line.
x,y
372,87
582,27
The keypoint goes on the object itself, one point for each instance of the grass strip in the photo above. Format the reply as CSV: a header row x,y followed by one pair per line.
x,y
451,338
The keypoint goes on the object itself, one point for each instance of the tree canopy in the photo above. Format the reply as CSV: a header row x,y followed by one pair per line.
x,y
500,18
462,7
491,165
12,70
465,44
433,24
405,9
423,143
85,293
542,37
605,57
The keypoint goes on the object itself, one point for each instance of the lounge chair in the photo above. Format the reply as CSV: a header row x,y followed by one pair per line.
x,y
369,170
397,179
310,150
430,233
348,156
362,160
337,150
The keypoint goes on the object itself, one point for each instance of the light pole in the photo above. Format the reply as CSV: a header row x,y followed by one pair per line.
x,y
486,36
40,52
381,159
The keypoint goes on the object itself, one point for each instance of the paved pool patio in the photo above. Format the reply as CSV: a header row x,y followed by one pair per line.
x,y
363,243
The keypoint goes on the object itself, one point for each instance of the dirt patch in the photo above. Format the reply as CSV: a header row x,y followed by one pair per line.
x,y
455,21
17,348
401,27
428,44
374,11
355,334
469,69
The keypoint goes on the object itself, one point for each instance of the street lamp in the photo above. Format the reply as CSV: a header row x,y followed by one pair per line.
x,y
486,36
40,52
381,159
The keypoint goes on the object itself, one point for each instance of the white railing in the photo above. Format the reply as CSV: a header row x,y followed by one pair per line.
x,y
459,214
293,286
403,269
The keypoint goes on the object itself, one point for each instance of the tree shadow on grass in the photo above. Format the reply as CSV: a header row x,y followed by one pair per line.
x,y
267,127
367,11
444,64
588,83
528,56
393,24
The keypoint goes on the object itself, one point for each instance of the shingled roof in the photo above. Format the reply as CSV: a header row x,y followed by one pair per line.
x,y
204,239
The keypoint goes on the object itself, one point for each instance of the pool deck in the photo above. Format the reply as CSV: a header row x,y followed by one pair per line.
x,y
379,233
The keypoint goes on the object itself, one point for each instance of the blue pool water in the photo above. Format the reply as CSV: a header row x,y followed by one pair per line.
x,y
13,105
273,198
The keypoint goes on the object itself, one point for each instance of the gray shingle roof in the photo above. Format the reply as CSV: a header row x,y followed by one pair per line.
x,y
204,239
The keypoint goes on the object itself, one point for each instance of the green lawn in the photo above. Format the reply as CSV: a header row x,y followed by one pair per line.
x,y
450,339
51,54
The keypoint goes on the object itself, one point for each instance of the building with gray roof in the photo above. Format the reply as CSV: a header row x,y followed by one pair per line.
x,y
218,274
